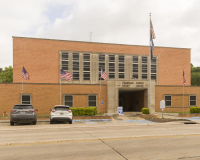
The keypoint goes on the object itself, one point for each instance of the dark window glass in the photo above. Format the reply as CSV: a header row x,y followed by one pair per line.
x,y
167,98
168,103
23,107
121,75
192,97
135,76
153,76
144,59
69,100
111,58
144,76
65,56
86,57
121,58
135,59
111,75
92,101
26,98
75,56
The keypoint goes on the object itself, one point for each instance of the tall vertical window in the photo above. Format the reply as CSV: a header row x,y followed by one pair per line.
x,y
121,71
144,67
92,100
111,65
86,66
101,64
153,68
135,68
65,61
25,99
193,100
68,100
168,100
75,63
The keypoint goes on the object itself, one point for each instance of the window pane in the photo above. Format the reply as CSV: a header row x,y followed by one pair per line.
x,y
168,103
68,98
92,104
192,97
26,98
168,98
92,97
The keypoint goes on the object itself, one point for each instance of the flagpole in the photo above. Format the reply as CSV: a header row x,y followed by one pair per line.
x,y
100,93
183,98
22,84
60,91
150,64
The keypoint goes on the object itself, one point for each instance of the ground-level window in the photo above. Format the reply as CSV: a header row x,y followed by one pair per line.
x,y
193,99
68,100
168,100
25,98
92,100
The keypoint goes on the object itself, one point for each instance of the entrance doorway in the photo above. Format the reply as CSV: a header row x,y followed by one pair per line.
x,y
132,101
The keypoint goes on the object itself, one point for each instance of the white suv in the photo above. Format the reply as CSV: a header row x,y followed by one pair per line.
x,y
61,113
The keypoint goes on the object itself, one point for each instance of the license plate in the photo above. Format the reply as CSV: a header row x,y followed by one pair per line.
x,y
61,113
22,112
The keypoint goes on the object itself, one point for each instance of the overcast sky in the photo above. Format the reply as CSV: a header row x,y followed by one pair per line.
x,y
176,23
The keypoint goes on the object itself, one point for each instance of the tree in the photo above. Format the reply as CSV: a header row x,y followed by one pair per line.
x,y
195,75
7,75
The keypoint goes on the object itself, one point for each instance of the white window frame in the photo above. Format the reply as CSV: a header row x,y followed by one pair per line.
x,y
86,72
111,62
22,102
92,100
76,71
168,100
133,68
193,100
65,60
122,63
68,101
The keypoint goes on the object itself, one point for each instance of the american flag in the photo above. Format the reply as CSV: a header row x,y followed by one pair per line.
x,y
152,36
103,75
25,74
65,75
184,79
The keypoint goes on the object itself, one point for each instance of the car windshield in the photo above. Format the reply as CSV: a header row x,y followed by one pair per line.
x,y
23,107
61,108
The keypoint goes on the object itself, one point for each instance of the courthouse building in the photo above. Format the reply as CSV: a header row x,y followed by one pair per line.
x,y
127,85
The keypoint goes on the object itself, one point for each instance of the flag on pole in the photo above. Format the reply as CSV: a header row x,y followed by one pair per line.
x,y
103,75
65,75
184,79
152,36
25,74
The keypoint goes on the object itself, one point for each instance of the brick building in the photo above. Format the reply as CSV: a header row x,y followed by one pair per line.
x,y
127,84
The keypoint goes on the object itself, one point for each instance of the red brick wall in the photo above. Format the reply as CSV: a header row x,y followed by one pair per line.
x,y
177,97
40,57
45,96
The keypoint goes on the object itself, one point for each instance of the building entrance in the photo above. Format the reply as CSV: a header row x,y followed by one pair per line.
x,y
132,101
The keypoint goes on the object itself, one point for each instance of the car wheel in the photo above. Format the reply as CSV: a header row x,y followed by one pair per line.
x,y
12,123
70,122
34,122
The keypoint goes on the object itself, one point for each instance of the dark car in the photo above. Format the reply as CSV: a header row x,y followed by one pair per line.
x,y
23,113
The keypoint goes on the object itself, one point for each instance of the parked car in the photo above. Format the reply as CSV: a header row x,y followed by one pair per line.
x,y
23,113
61,113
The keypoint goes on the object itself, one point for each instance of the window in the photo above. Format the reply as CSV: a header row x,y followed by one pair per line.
x,y
75,63
168,100
144,67
153,68
111,65
86,66
25,99
121,71
65,62
68,100
135,68
193,99
101,65
92,100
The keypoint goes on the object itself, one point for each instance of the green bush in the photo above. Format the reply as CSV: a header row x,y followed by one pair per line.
x,y
84,111
145,110
194,109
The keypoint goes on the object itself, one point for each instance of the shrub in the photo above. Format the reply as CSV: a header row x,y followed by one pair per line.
x,y
84,111
145,110
194,109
